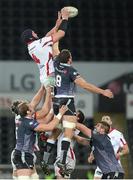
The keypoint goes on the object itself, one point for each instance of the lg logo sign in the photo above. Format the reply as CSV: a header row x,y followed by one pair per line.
x,y
27,82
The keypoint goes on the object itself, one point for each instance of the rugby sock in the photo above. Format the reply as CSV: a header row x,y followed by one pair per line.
x,y
14,177
64,149
49,146
35,176
24,178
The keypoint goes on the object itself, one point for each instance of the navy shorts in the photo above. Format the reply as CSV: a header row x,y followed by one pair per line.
x,y
58,102
23,160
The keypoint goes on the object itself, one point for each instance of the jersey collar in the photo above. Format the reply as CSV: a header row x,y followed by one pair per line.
x,y
65,64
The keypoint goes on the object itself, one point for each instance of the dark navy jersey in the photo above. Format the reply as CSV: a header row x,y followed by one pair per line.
x,y
26,135
65,76
104,153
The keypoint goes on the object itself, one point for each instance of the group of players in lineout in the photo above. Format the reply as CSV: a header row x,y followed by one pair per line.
x,y
57,118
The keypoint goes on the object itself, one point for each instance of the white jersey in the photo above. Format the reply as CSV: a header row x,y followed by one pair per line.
x,y
17,122
117,140
70,153
41,52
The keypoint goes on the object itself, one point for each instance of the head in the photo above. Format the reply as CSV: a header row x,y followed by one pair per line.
x,y
65,56
24,109
14,106
28,36
102,127
80,116
107,119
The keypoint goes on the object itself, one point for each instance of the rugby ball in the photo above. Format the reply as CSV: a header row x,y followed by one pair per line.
x,y
73,11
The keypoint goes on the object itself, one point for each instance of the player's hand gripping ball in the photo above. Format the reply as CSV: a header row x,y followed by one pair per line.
x,y
73,11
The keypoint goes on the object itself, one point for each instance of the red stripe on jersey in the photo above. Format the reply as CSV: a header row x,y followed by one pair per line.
x,y
47,67
72,153
46,43
123,142
47,64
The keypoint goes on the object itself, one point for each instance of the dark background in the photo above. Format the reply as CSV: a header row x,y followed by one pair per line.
x,y
101,32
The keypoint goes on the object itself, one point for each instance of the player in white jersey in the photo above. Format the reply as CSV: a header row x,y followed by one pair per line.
x,y
119,145
71,159
40,50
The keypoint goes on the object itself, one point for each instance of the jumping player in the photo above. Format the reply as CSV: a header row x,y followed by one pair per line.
x,y
40,50
67,78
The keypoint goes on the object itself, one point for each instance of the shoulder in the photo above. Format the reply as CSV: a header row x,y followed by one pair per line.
x,y
115,132
32,123
46,40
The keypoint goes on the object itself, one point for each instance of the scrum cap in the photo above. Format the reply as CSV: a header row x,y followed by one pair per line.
x,y
26,36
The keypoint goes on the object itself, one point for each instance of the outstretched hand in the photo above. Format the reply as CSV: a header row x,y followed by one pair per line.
x,y
64,13
59,20
108,93
63,109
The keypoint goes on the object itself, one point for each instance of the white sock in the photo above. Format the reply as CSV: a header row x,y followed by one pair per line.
x,y
24,178
35,176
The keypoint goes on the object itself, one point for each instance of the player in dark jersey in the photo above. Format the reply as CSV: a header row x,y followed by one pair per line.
x,y
23,156
103,150
67,78
38,114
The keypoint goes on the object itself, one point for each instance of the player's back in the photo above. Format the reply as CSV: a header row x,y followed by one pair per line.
x,y
41,52
104,154
25,136
65,75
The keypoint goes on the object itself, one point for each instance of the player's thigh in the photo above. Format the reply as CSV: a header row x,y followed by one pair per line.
x,y
70,118
58,102
24,172
13,165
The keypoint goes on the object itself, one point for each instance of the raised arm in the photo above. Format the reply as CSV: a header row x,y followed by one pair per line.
x,y
50,126
37,98
92,88
62,28
56,27
86,131
46,106
81,140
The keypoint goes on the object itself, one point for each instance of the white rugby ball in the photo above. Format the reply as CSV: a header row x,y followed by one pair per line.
x,y
73,11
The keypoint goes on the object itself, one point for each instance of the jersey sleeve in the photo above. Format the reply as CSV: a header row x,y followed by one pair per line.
x,y
122,140
32,124
74,74
46,41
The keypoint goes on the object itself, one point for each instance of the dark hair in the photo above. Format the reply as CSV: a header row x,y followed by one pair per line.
x,y
26,36
64,56
22,109
105,126
14,106
81,116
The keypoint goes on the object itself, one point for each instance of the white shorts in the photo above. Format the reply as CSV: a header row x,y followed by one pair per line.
x,y
47,81
70,165
98,173
12,157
